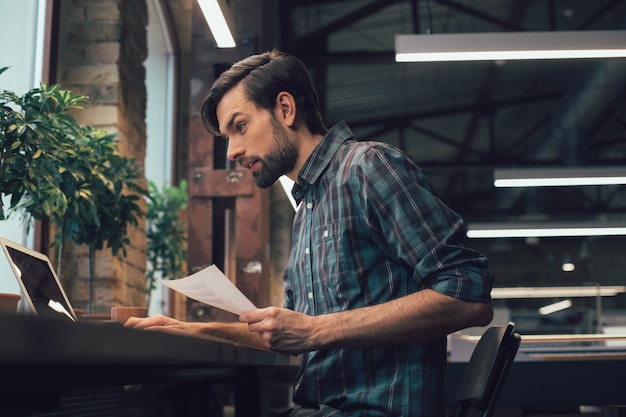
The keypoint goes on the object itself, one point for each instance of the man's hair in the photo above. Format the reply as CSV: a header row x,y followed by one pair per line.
x,y
263,76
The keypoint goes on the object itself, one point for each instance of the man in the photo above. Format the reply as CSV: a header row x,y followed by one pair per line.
x,y
378,273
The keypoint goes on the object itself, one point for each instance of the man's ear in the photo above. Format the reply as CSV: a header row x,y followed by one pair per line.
x,y
286,108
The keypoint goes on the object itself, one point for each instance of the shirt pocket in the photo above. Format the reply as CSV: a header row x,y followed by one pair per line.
x,y
331,260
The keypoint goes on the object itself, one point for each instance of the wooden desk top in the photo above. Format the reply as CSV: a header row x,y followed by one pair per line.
x,y
30,339
41,353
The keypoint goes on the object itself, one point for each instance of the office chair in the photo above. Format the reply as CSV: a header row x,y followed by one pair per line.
x,y
486,371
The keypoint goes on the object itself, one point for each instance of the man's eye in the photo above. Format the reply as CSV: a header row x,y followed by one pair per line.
x,y
240,126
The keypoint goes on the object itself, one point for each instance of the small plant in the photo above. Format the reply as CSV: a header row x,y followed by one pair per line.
x,y
102,190
166,233
103,195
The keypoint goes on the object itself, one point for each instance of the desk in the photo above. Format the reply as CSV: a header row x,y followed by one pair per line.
x,y
183,374
53,358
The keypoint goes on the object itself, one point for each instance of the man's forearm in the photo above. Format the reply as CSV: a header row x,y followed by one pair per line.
x,y
424,315
417,317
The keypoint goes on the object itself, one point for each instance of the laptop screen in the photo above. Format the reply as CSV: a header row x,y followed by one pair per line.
x,y
40,284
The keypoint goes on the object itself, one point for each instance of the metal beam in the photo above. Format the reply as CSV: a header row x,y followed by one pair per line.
x,y
320,34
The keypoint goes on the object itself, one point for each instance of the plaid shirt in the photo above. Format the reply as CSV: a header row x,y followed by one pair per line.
x,y
369,229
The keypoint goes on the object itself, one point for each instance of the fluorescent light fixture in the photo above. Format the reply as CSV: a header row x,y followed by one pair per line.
x,y
551,177
218,17
548,229
510,46
550,292
554,307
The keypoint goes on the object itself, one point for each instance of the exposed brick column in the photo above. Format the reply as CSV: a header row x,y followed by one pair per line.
x,y
103,45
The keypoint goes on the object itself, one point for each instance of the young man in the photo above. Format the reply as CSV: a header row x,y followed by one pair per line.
x,y
378,273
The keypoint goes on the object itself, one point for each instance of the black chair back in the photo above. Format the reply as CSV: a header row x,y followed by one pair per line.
x,y
486,371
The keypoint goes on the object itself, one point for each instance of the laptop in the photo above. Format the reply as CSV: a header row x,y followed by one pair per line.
x,y
40,285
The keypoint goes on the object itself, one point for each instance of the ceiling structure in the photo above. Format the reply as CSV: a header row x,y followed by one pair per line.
x,y
461,120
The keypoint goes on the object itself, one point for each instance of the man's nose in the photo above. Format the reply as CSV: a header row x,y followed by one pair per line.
x,y
234,150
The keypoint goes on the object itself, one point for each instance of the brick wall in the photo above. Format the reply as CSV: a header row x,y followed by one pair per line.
x,y
102,47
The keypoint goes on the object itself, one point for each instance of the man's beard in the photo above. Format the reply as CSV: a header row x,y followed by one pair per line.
x,y
280,160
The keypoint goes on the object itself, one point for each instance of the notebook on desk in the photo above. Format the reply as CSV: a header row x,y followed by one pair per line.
x,y
40,285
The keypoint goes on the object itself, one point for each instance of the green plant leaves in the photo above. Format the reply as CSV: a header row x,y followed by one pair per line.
x,y
166,231
54,167
102,191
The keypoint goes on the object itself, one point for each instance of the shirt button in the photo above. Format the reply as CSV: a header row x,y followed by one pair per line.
x,y
307,250
310,295
325,233
309,205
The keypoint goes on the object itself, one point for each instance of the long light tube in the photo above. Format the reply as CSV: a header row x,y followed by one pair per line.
x,y
217,15
550,177
552,229
551,292
554,307
510,46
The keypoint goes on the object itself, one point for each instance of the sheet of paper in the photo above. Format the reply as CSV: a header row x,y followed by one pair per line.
x,y
212,287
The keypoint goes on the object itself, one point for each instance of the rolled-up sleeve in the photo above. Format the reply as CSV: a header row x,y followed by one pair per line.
x,y
414,227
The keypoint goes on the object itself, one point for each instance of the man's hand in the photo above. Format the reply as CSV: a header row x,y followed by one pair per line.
x,y
283,330
231,332
161,323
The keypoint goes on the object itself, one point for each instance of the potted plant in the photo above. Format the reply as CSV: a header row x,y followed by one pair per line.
x,y
166,233
53,167
102,192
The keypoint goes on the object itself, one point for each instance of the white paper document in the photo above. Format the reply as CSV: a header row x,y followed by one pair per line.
x,y
212,287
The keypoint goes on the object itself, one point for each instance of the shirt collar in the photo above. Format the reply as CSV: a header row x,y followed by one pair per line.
x,y
321,157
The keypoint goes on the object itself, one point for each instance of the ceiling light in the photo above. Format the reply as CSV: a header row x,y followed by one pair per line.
x,y
549,177
550,292
218,17
554,307
567,265
510,46
548,229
